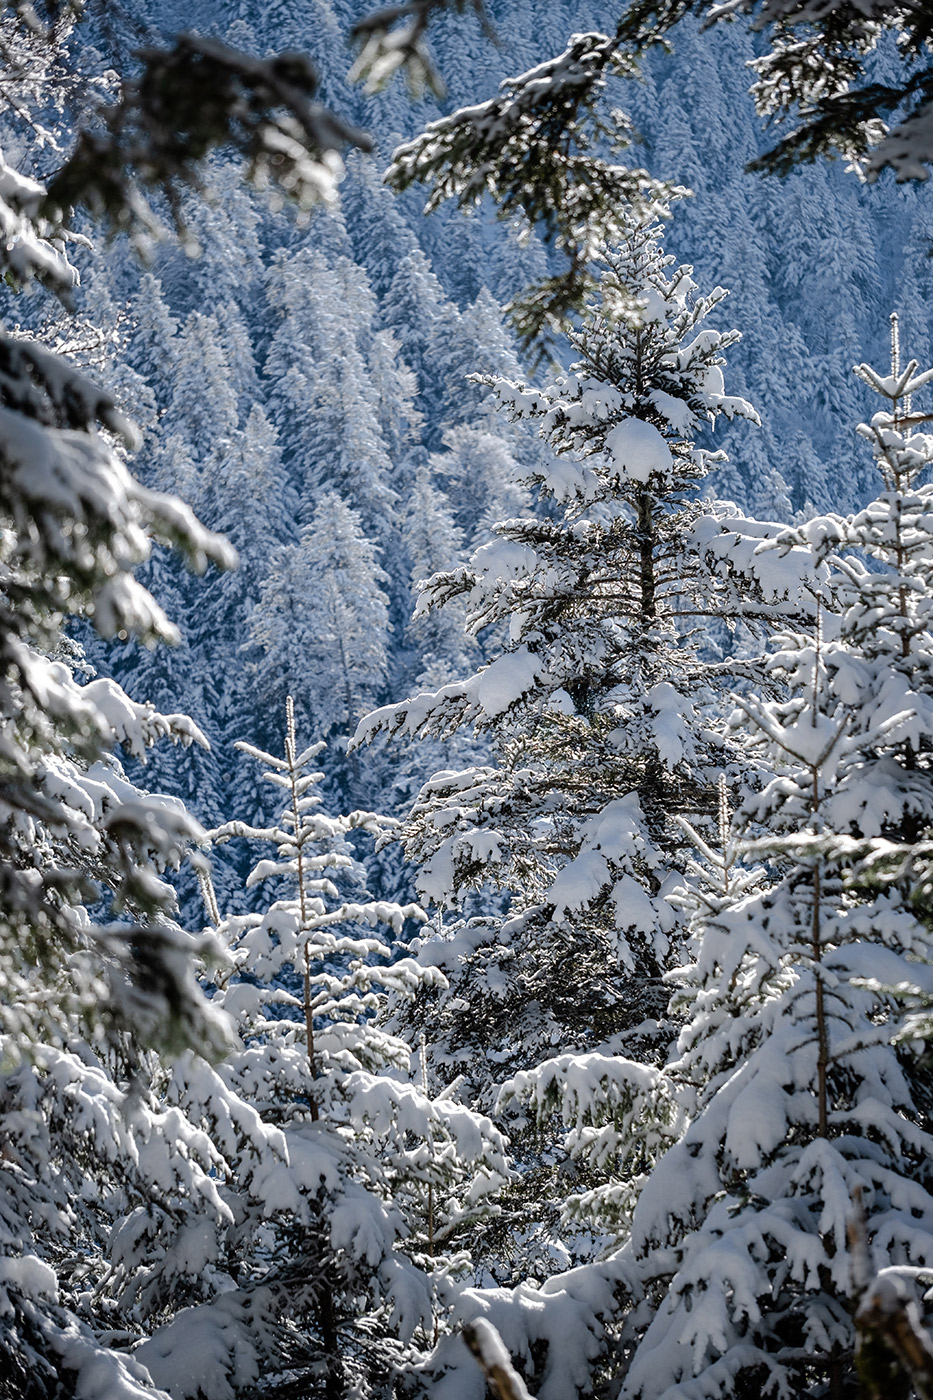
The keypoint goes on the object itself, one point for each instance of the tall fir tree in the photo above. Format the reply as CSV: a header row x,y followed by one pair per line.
x,y
322,622
597,702
340,1174
427,326
381,237
94,970
805,1092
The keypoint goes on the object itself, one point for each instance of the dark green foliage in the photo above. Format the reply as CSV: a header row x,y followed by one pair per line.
x,y
818,69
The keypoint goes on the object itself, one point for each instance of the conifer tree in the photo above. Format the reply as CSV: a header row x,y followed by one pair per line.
x,y
381,237
240,356
431,541
248,497
352,456
441,645
340,1175
153,331
93,967
804,1091
327,411
394,391
204,401
482,479
322,620
224,225
598,704
427,327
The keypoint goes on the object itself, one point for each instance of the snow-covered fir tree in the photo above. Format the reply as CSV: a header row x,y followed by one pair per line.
x,y
322,620
482,479
381,237
599,705
323,404
433,541
340,1175
427,327
805,1099
94,970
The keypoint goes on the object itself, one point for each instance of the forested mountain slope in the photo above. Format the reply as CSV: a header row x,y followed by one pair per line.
x,y
303,374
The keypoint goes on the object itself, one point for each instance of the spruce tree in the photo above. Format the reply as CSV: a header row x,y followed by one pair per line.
x,y
427,327
204,398
341,1175
327,411
599,705
322,620
381,237
806,1093
94,970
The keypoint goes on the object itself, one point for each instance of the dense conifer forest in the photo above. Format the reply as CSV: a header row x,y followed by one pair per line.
x,y
466,701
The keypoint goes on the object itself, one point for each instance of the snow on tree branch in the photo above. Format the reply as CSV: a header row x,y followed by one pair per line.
x,y
198,96
533,150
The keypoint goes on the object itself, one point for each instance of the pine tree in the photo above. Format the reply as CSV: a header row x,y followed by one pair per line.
x,y
240,356
441,647
483,347
381,237
223,222
341,1175
352,456
248,497
432,541
204,401
153,334
93,967
427,327
804,1095
598,704
326,409
394,389
322,620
